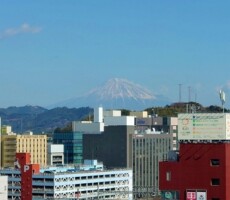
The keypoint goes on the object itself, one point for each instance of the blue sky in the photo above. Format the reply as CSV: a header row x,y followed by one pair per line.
x,y
54,50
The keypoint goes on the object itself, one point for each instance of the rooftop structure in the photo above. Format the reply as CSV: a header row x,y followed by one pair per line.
x,y
204,126
158,124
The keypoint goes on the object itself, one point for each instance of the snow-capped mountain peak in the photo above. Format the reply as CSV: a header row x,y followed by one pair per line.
x,y
121,88
116,93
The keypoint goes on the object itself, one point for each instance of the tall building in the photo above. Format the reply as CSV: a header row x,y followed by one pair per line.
x,y
121,145
107,138
162,124
148,149
72,142
36,145
113,146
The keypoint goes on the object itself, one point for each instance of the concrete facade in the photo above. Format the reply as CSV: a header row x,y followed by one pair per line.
x,y
201,169
3,187
148,150
113,147
68,182
55,154
34,144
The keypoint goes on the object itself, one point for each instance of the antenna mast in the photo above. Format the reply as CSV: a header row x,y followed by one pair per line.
x,y
222,98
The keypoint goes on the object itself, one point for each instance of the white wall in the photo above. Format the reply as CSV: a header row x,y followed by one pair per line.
x,y
3,187
122,120
55,148
88,127
98,114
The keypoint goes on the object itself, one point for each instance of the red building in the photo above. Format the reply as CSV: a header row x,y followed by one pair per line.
x,y
201,172
27,171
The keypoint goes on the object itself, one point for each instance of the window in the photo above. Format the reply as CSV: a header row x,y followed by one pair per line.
x,y
215,181
168,176
215,162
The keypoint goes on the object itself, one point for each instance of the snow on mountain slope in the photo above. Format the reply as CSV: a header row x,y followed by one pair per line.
x,y
121,88
117,93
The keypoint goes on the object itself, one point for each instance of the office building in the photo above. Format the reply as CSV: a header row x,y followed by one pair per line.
x,y
160,124
148,149
121,145
72,142
113,146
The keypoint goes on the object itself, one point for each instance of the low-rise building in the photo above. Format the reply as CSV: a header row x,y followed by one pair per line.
x,y
55,154
68,182
201,170
3,187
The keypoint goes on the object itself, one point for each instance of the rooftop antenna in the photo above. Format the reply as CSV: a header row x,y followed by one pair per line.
x,y
222,98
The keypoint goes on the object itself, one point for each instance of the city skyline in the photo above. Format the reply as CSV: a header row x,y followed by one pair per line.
x,y
55,50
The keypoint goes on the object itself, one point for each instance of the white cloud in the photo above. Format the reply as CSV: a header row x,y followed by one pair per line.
x,y
24,28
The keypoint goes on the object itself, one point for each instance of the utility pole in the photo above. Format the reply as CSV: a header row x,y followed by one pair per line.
x,y
180,85
189,93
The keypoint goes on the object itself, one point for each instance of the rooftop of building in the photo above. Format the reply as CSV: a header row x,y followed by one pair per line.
x,y
88,166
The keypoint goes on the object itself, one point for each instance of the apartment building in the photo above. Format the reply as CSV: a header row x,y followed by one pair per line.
x,y
36,145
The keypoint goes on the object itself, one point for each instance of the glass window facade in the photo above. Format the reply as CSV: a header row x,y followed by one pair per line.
x,y
72,146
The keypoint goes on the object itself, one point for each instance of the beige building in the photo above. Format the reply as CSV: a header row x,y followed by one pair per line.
x,y
139,114
36,145
6,129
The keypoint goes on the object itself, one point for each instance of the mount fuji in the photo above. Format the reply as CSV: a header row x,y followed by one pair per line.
x,y
117,93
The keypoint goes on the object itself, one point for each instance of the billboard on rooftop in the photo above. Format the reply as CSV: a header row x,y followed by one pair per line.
x,y
204,126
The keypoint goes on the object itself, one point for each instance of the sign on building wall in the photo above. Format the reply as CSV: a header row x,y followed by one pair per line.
x,y
191,195
169,195
204,126
196,195
201,196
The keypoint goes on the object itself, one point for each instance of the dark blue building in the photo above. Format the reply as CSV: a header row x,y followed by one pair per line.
x,y
73,149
